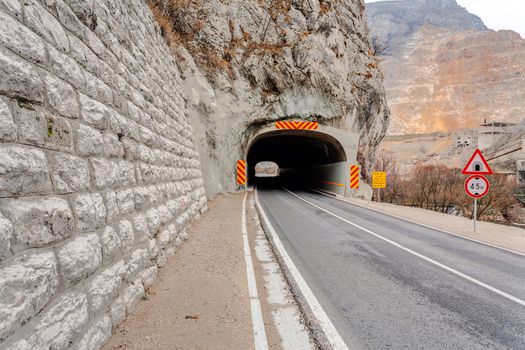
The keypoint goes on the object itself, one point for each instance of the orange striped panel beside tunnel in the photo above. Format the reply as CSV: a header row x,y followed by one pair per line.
x,y
354,176
297,125
241,172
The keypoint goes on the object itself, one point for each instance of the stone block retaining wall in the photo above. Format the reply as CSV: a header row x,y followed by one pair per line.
x,y
98,171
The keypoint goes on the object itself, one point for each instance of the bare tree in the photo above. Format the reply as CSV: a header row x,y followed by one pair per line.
x,y
377,45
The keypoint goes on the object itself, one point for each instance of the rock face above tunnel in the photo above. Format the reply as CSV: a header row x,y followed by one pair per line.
x,y
248,63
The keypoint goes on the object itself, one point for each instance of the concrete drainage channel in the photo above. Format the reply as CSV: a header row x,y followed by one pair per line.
x,y
284,325
269,249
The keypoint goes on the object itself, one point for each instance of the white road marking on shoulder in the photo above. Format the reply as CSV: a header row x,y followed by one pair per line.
x,y
420,224
434,262
326,325
259,334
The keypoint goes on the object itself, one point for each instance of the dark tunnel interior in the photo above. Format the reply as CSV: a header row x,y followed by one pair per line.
x,y
298,154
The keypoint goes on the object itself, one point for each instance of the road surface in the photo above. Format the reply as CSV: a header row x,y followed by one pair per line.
x,y
386,283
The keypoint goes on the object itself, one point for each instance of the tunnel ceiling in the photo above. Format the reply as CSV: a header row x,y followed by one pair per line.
x,y
295,148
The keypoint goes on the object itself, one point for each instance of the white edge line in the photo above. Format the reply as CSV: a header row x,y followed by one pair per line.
x,y
259,334
326,325
420,224
434,262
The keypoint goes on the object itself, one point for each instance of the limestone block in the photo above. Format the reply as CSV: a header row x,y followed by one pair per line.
x,y
58,134
132,294
149,276
94,42
13,7
141,197
66,68
126,173
23,171
137,261
31,124
148,137
84,11
27,283
135,112
113,146
125,201
141,227
7,123
110,243
166,235
90,211
61,96
105,286
105,173
90,142
38,221
21,40
94,113
126,233
153,248
96,335
153,218
69,19
118,311
97,89
6,232
161,259
61,323
130,149
69,173
79,257
42,22
110,198
83,55
165,215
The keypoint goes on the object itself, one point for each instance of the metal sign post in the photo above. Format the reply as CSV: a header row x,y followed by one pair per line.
x,y
476,186
475,212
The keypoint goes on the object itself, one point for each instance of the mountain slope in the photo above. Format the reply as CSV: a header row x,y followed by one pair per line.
x,y
394,22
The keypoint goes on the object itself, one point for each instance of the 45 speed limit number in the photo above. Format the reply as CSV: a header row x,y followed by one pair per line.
x,y
477,186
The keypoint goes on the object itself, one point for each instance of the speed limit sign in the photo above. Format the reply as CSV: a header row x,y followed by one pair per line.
x,y
477,186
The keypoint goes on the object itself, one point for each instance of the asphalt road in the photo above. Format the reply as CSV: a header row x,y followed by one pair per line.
x,y
379,295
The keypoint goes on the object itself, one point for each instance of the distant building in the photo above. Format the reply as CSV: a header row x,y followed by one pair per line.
x,y
489,133
463,141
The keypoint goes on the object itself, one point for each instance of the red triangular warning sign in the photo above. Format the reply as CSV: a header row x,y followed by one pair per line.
x,y
477,165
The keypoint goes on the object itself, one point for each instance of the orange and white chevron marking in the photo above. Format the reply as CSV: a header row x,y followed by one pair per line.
x,y
241,172
354,176
297,125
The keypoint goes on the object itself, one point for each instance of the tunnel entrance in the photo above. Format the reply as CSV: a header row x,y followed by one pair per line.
x,y
305,158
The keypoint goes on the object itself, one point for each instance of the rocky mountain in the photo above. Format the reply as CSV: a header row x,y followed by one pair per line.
x,y
443,80
394,22
444,70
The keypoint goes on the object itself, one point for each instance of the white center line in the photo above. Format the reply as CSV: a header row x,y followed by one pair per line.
x,y
259,334
326,325
456,272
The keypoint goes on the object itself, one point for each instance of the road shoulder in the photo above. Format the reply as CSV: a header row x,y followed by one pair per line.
x,y
507,237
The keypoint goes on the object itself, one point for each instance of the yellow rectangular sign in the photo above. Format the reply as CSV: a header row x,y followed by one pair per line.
x,y
379,179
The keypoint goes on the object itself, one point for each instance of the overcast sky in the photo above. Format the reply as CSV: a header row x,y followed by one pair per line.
x,y
497,14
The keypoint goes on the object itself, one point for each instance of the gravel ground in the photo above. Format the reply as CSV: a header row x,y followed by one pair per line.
x,y
504,236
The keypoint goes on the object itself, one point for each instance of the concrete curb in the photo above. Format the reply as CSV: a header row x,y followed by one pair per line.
x,y
318,336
